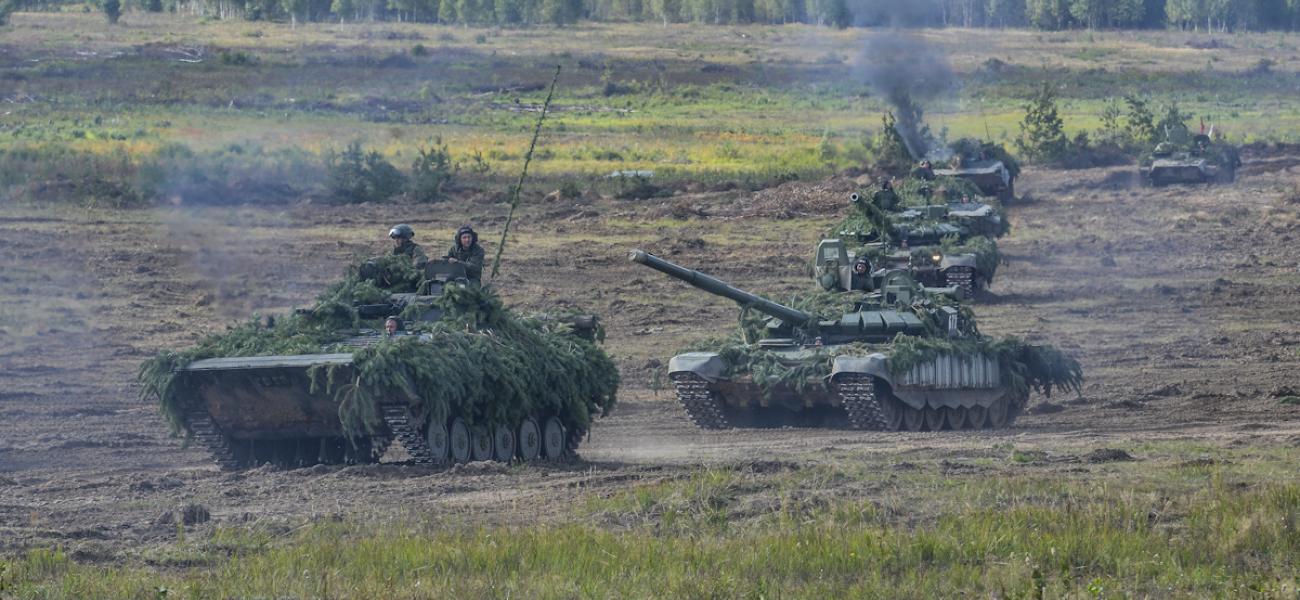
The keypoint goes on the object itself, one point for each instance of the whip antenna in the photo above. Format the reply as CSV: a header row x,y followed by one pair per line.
x,y
528,158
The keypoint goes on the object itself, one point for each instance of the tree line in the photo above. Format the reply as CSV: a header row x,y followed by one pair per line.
x,y
1202,15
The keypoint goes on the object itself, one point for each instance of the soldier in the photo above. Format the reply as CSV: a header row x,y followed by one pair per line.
x,y
392,325
466,250
402,245
861,277
924,171
885,198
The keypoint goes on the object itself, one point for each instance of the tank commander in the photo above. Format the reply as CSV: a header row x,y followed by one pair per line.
x,y
924,171
466,250
885,198
392,325
861,277
402,236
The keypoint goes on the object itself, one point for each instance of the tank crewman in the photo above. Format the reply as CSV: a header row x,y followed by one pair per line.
x,y
924,171
885,198
466,250
402,236
861,277
392,325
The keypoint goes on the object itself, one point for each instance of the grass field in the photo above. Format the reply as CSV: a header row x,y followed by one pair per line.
x,y
1224,523
704,104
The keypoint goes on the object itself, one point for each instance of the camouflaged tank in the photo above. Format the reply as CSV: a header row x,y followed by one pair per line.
x,y
1199,161
988,166
301,409
847,371
941,245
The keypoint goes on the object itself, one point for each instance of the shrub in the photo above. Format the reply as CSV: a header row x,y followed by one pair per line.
x,y
419,50
112,10
430,173
1042,133
359,176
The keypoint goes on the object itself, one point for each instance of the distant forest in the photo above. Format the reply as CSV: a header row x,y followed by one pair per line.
x,y
1202,15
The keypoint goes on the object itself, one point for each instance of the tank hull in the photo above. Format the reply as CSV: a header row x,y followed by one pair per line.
x,y
861,393
992,178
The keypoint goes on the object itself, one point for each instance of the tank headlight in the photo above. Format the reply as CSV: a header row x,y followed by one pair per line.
x,y
936,257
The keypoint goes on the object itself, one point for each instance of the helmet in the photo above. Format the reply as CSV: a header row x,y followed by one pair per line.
x,y
402,231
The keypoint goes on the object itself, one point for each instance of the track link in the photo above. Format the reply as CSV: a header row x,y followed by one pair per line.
x,y
399,421
858,396
204,431
963,278
700,402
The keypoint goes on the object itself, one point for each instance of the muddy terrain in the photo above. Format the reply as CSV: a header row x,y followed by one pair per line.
x,y
1179,301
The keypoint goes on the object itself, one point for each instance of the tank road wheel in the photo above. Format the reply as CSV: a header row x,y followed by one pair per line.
x,y
438,440
955,418
977,416
999,412
503,443
858,396
480,444
701,404
553,439
530,440
458,441
934,418
913,418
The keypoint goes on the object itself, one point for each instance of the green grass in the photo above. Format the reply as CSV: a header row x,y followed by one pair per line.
x,y
1163,526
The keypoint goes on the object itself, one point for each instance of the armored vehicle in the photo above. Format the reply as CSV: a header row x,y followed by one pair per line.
x,y
986,165
462,380
897,360
1200,161
941,245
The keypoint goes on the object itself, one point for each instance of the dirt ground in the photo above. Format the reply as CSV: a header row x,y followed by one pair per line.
x,y
1179,301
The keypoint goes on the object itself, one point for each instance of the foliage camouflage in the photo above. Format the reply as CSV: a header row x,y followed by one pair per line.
x,y
866,219
966,149
485,363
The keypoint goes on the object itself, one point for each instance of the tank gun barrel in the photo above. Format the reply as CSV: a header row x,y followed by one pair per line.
x,y
719,288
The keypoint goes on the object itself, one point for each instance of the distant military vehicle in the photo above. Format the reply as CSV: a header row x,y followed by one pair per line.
x,y
987,165
897,360
1199,161
432,389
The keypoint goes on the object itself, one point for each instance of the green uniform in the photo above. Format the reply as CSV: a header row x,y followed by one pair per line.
x,y
413,250
473,258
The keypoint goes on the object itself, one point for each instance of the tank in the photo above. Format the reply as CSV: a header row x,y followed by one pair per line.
x,y
986,165
434,387
941,245
898,360
1199,161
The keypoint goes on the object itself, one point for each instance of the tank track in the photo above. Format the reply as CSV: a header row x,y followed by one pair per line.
x,y
963,278
700,402
204,431
399,421
858,396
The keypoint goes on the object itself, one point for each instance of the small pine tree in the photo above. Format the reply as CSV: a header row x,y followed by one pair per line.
x,y
1139,122
112,10
6,8
1042,133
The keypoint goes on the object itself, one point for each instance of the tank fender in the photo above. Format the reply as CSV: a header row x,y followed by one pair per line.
x,y
708,365
875,365
957,260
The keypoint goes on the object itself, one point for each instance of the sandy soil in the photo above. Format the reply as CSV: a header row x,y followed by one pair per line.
x,y
1179,301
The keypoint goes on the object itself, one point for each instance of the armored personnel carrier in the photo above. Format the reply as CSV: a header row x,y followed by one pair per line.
x,y
463,379
899,359
988,166
1200,161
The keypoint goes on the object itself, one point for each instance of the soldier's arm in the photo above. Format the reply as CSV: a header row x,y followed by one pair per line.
x,y
475,263
419,258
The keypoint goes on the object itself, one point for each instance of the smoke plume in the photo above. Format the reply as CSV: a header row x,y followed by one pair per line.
x,y
906,71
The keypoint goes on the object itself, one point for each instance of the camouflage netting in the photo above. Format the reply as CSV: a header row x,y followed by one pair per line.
x,y
1039,367
480,361
969,149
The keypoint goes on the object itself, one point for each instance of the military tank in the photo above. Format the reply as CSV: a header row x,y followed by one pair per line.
x,y
463,379
1200,161
898,360
941,245
987,165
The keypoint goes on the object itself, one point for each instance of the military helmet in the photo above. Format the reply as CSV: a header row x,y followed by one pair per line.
x,y
402,231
